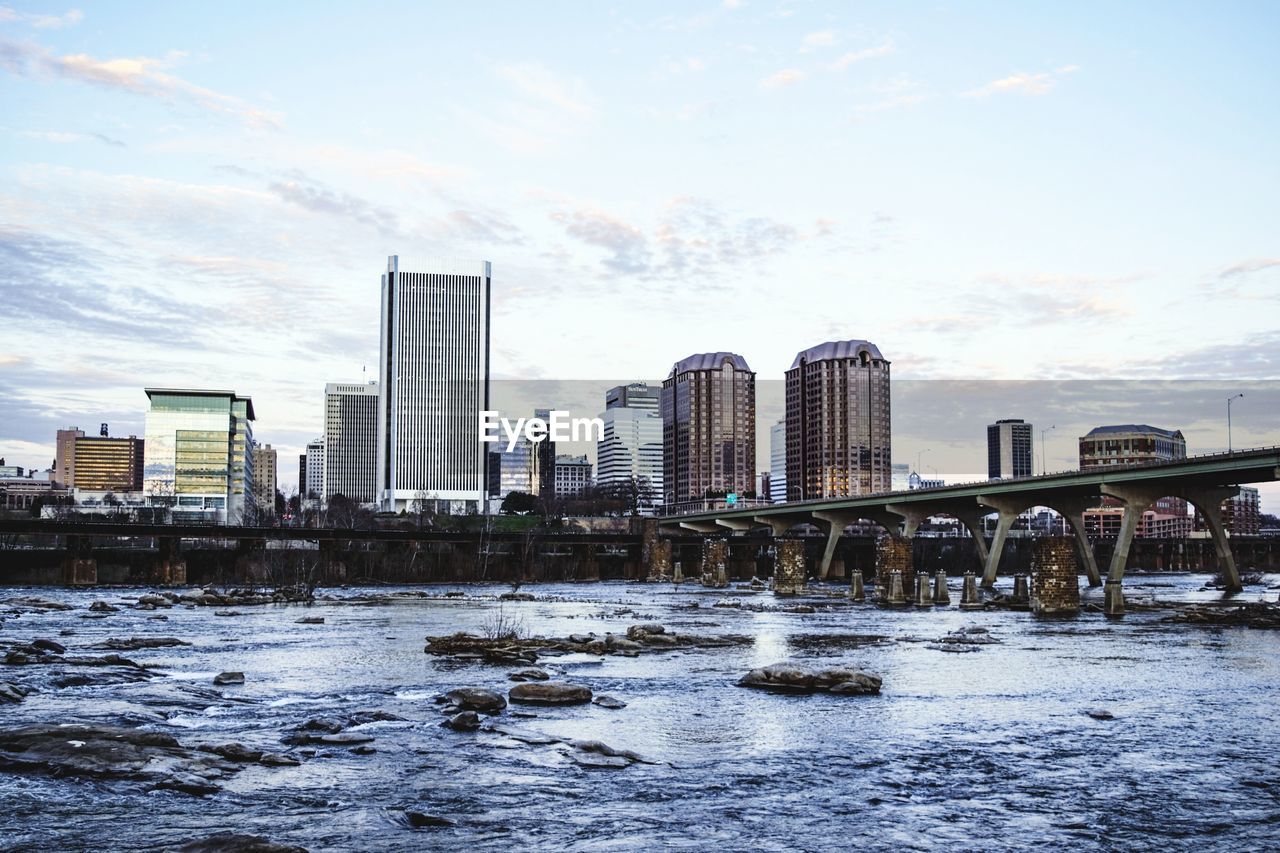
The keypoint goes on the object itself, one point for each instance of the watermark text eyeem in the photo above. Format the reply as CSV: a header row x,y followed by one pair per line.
x,y
557,427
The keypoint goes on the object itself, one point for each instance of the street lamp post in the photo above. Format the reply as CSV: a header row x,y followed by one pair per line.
x,y
1044,460
1229,399
920,453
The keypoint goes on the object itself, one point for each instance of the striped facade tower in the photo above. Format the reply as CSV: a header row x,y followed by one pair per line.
x,y
434,363
351,440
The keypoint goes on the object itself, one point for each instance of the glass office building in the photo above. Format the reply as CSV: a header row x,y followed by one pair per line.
x,y
197,453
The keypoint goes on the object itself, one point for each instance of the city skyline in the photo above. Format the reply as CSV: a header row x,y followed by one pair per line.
x,y
138,150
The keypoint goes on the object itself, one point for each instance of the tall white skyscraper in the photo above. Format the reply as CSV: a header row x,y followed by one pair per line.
x,y
315,472
778,462
632,443
434,361
351,440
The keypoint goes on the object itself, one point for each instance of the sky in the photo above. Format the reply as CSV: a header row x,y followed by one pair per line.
x,y
205,195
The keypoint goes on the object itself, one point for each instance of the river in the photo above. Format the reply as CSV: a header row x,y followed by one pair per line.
x,y
959,751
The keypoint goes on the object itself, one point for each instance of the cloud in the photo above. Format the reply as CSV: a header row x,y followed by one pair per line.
x,y
1250,266
820,39
62,137
41,22
1022,83
317,199
691,237
855,56
139,76
545,86
785,77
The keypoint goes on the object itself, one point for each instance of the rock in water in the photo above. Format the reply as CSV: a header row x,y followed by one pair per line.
x,y
419,820
604,700
230,842
229,678
476,699
1100,714
790,678
550,693
11,693
310,620
530,674
466,721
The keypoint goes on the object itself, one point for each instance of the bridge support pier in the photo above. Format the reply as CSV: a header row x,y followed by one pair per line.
x,y
1209,502
79,567
169,569
1073,511
1009,512
833,525
972,519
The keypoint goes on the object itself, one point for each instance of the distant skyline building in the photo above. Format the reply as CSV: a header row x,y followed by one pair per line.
x,y
315,470
196,453
1130,444
708,428
572,475
778,461
512,470
900,477
103,464
434,363
1009,449
838,421
351,440
631,446
64,465
265,478
543,461
1137,444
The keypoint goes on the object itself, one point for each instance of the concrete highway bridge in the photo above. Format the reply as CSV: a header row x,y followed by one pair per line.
x,y
1203,481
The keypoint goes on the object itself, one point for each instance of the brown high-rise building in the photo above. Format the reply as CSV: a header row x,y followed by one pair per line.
x,y
1135,444
64,465
102,464
708,428
838,434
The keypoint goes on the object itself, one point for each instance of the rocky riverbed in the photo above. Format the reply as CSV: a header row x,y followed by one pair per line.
x,y
610,715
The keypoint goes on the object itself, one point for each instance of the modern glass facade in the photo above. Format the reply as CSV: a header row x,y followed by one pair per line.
x,y
197,455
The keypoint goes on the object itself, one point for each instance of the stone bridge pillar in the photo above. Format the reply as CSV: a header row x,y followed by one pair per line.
x,y
894,554
713,562
1073,509
1055,587
655,551
788,569
79,566
169,567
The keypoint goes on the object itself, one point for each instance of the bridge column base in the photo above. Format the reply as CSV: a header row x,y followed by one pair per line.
x,y
788,570
1209,502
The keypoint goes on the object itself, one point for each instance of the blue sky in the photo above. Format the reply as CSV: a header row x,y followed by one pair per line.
x,y
205,194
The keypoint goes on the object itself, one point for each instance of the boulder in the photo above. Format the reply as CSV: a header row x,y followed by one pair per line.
x,y
550,693
103,607
277,759
476,699
11,694
791,678
310,620
638,632
229,678
111,752
420,820
49,646
233,842
604,700
529,674
135,643
464,721
594,754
